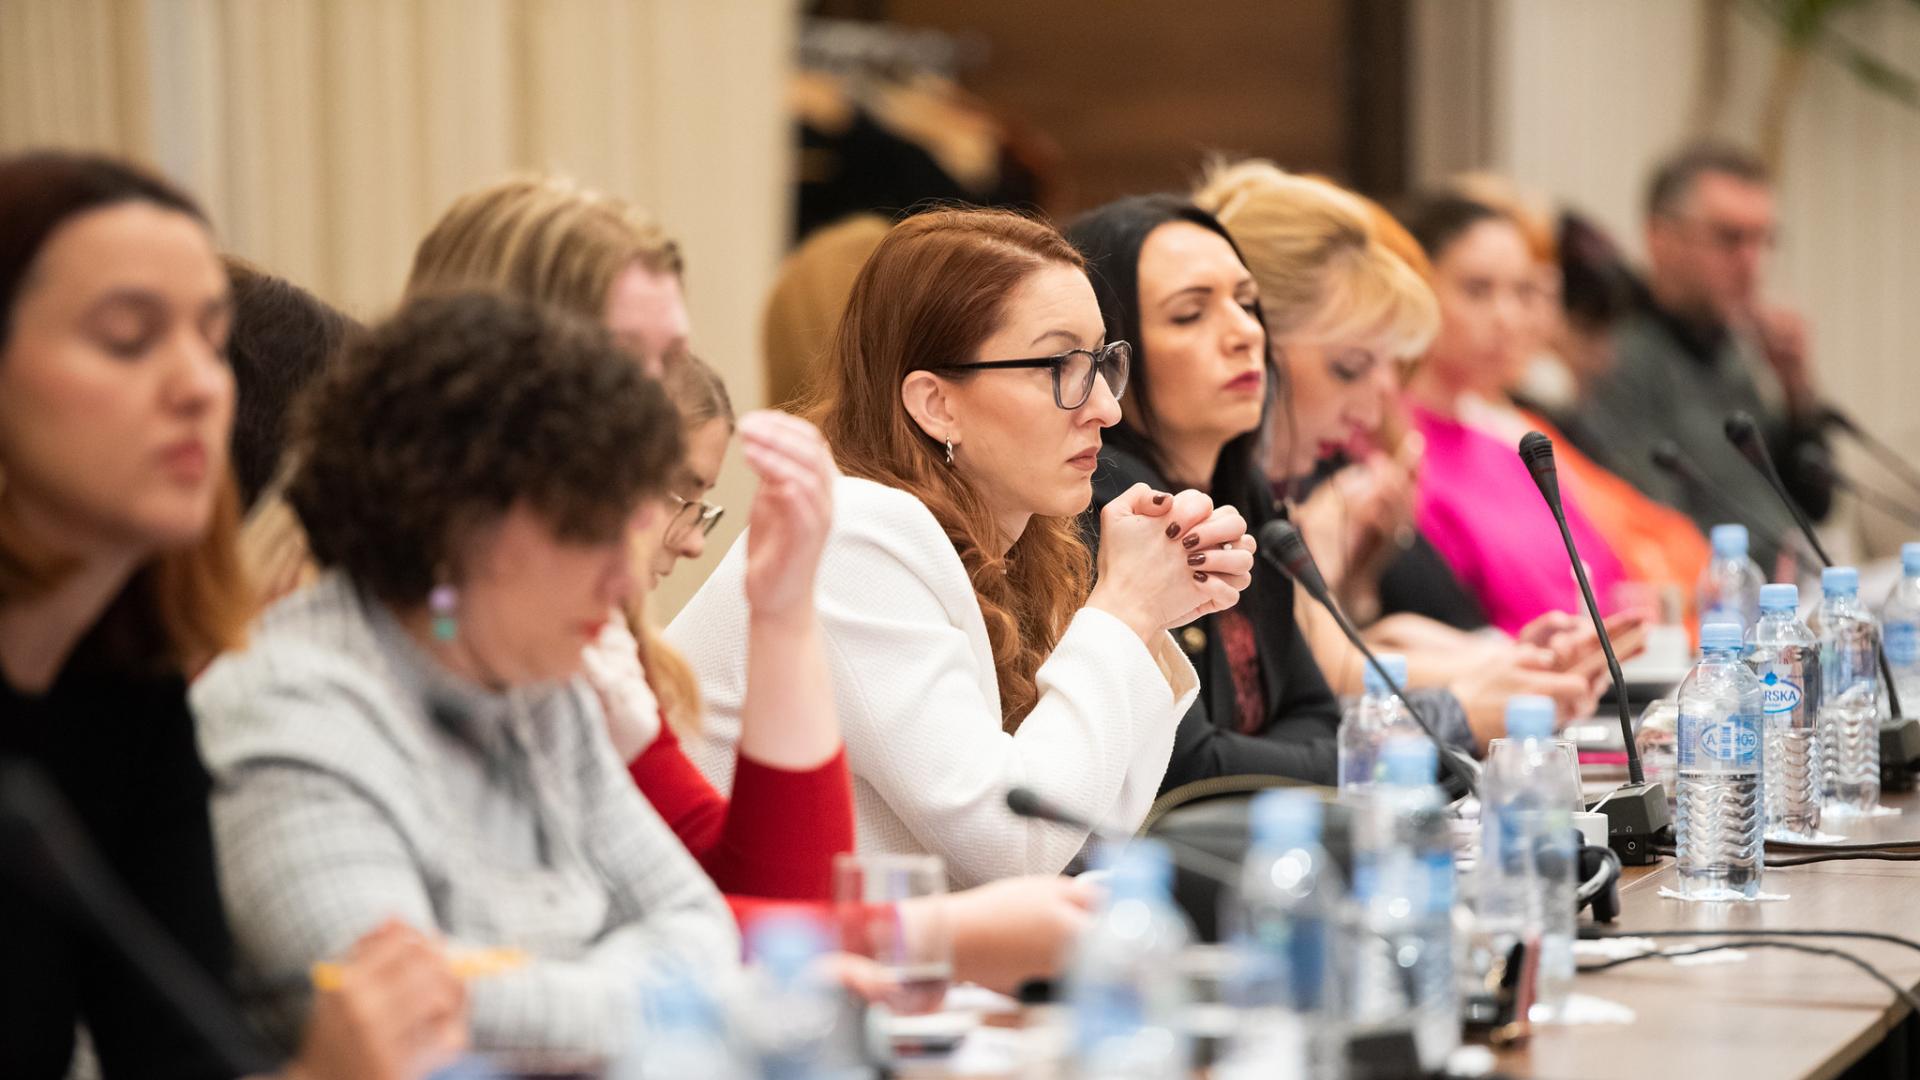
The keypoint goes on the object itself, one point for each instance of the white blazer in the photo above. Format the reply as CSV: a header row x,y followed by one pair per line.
x,y
919,704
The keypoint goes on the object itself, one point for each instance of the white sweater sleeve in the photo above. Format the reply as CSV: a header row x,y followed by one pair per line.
x,y
924,731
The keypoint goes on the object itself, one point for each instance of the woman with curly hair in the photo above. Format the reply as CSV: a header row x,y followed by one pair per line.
x,y
970,650
412,734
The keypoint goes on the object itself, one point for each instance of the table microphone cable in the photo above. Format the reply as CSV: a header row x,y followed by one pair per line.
x,y
1901,992
1594,933
1808,854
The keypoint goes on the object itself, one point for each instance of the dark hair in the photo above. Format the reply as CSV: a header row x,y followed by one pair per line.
x,y
1597,286
1674,176
282,337
457,408
39,192
183,606
1111,238
1438,218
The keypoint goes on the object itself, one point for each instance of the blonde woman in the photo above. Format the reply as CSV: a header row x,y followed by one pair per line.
x,y
1345,313
549,239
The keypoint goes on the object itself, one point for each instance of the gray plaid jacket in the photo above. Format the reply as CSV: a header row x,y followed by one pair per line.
x,y
354,779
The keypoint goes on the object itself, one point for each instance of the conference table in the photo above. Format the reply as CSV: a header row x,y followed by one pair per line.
x,y
1764,1013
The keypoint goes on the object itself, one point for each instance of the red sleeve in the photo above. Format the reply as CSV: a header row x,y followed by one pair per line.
x,y
691,808
777,838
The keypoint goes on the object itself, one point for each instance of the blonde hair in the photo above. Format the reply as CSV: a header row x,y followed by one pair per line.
x,y
542,237
807,299
700,395
1325,272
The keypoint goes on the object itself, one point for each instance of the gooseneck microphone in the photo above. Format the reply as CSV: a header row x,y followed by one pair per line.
x,y
1028,803
1879,449
1668,459
45,855
1637,810
1282,545
1744,434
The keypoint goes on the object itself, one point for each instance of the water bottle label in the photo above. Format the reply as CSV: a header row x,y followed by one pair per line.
x,y
1734,740
1903,643
1778,694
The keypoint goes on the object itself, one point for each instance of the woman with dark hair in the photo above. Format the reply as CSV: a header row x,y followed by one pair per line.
x,y
412,734
118,577
966,391
1513,563
1170,279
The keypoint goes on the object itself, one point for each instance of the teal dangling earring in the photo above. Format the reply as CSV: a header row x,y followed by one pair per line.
x,y
444,603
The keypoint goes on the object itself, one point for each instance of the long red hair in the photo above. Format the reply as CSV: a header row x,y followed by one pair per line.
x,y
931,293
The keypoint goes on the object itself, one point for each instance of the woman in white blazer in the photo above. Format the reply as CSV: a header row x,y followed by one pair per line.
x,y
973,650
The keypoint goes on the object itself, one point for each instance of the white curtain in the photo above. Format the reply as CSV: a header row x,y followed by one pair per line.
x,y
324,136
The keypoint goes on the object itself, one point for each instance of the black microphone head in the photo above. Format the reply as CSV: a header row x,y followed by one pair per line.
x,y
1282,542
1666,457
1537,451
1024,802
1741,429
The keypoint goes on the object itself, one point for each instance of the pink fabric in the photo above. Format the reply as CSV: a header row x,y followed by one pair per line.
x,y
1478,506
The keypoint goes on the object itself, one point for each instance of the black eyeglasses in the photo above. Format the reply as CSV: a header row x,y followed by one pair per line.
x,y
1073,371
691,515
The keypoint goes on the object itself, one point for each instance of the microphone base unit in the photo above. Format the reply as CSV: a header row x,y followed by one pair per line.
x,y
1899,753
1636,814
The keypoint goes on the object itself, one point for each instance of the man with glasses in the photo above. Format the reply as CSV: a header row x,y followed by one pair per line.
x,y
1705,343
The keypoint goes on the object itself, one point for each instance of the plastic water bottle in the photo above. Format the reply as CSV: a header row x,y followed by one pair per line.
x,y
1900,623
1403,890
1721,803
798,1023
685,1032
1123,984
1785,657
1378,716
1730,585
1528,856
1289,906
1850,695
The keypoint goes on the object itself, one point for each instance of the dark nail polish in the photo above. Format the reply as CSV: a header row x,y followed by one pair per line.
x,y
1159,500
1190,542
1196,560
1198,576
1173,530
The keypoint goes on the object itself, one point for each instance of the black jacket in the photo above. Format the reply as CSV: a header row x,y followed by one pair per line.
x,y
1297,737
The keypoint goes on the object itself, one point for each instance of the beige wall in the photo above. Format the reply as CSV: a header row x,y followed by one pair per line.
x,y
325,135
1576,99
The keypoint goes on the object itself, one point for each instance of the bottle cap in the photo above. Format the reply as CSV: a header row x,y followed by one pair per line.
x,y
1530,716
1140,869
1720,635
1910,559
1729,541
787,944
1780,597
1840,581
1285,818
1409,762
1396,666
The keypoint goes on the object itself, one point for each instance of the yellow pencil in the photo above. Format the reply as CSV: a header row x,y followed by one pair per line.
x,y
466,964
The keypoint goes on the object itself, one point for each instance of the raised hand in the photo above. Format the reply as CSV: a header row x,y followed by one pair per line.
x,y
791,513
1166,559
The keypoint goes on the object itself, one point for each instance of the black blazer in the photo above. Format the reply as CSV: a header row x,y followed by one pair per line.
x,y
1297,738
